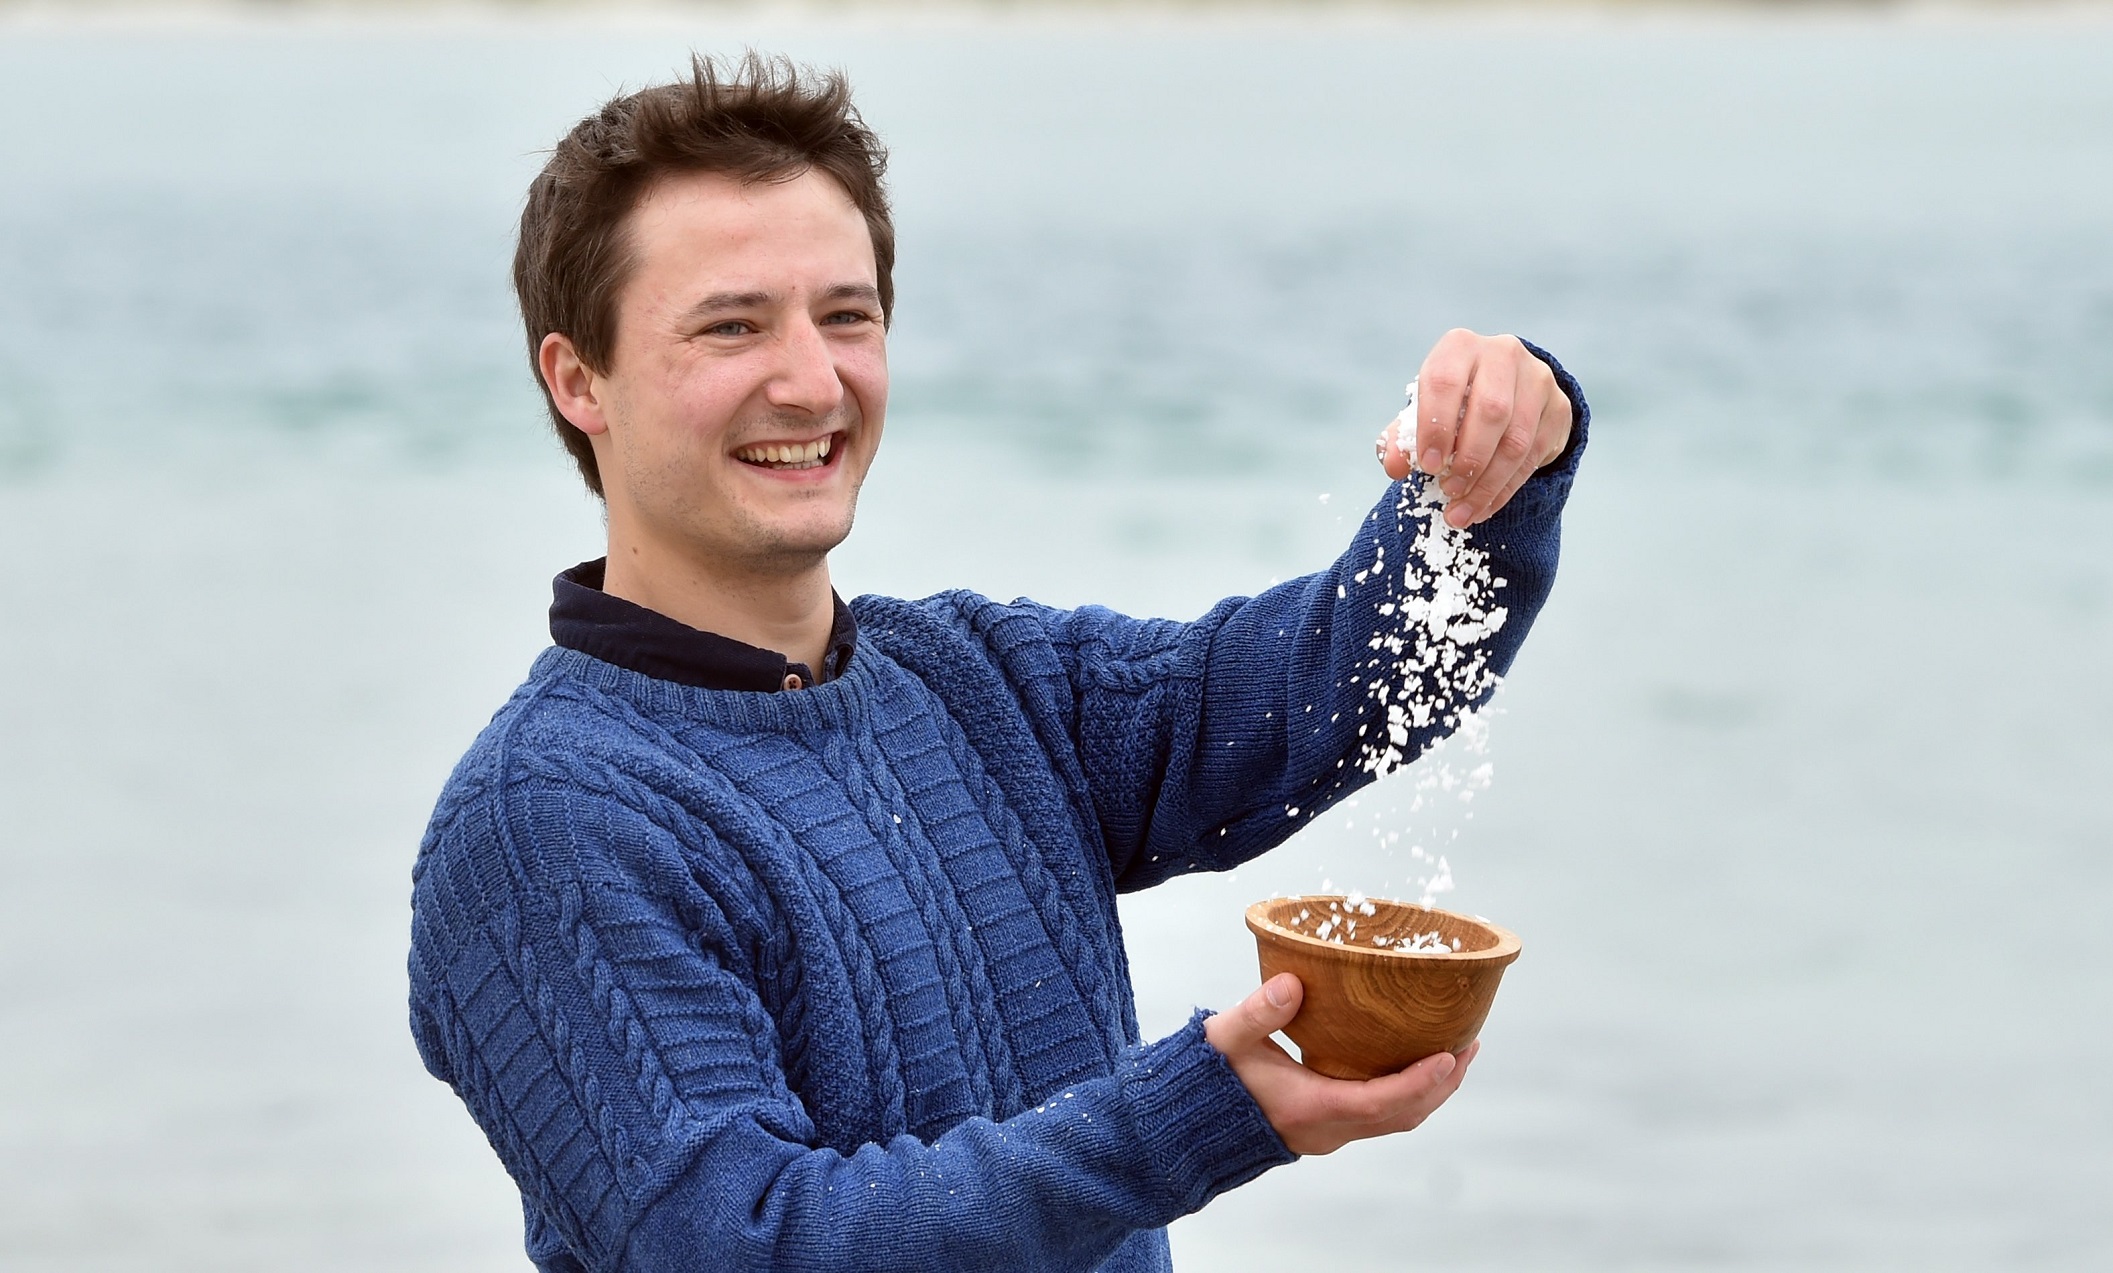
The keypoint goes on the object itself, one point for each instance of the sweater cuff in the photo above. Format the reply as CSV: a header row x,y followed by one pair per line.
x,y
1565,463
1205,1133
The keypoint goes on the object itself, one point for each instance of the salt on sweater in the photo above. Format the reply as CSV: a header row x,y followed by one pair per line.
x,y
834,978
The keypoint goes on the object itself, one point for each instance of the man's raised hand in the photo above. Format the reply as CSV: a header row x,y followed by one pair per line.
x,y
1488,414
1314,1114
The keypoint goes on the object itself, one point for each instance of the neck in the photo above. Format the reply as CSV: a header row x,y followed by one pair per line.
x,y
787,608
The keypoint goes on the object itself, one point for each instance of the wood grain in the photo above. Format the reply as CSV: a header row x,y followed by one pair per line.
x,y
1371,1010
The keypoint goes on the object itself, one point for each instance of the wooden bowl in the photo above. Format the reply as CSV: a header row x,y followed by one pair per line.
x,y
1371,1009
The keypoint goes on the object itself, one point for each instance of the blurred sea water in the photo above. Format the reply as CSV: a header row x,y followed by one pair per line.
x,y
1800,784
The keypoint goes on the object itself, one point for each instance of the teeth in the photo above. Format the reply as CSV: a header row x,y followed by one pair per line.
x,y
805,456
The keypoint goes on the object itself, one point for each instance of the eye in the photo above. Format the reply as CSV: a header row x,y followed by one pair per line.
x,y
846,317
731,327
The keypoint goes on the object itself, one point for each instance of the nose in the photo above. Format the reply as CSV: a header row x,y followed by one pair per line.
x,y
805,378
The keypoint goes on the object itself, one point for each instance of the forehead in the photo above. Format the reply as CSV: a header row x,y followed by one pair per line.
x,y
707,229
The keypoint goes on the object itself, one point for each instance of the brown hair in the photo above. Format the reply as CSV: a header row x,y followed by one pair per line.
x,y
762,120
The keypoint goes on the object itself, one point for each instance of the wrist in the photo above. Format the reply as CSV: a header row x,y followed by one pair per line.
x,y
1203,1127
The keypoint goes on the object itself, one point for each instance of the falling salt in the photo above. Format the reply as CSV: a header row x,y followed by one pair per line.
x,y
1440,881
1430,668
1430,663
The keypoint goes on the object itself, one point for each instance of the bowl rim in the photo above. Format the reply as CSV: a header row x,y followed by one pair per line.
x,y
1506,949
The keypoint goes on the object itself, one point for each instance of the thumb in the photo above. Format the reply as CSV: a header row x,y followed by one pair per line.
x,y
1266,1011
1393,456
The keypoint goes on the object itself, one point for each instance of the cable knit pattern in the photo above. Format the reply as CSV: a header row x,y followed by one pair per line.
x,y
833,978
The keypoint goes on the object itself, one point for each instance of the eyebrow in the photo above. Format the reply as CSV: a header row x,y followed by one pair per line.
x,y
853,292
722,302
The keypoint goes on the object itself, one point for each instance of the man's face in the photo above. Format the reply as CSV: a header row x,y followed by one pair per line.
x,y
745,397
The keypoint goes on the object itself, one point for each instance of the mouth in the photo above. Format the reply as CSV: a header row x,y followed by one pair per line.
x,y
792,457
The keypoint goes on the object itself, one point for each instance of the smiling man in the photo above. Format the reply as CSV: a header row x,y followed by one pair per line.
x,y
760,931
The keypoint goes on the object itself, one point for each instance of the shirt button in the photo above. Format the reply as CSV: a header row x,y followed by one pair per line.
x,y
792,680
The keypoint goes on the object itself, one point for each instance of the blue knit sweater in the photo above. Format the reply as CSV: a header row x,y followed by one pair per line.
x,y
833,978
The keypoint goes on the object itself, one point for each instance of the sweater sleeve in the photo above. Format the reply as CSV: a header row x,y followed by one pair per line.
x,y
606,1031
1206,743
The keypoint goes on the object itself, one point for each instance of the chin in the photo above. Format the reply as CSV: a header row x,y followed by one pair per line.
x,y
803,543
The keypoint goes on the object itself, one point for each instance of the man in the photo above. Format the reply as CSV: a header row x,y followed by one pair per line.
x,y
761,931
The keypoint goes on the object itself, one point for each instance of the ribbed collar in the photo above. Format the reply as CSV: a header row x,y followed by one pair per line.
x,y
589,620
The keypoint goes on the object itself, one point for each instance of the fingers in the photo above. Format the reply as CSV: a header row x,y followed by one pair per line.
x,y
1251,1021
1317,1115
1400,1102
1496,430
1441,397
1489,415
1394,1102
1384,1101
1496,457
1550,436
1436,1091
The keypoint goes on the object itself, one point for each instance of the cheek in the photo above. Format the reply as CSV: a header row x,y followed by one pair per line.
x,y
698,400
865,373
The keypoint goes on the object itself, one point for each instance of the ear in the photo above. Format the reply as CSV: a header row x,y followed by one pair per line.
x,y
573,386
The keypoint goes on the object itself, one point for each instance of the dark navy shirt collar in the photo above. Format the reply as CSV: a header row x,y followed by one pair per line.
x,y
587,619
